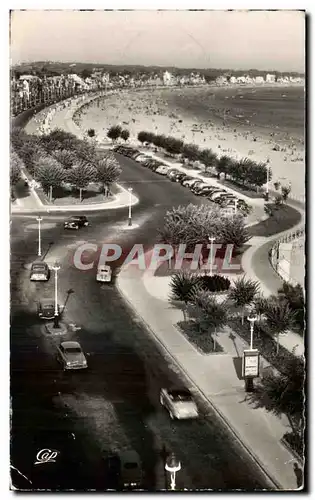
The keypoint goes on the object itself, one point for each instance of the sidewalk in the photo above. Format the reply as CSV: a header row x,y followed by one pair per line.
x,y
214,376
256,266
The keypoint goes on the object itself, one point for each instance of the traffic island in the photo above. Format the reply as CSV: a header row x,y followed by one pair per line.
x,y
62,328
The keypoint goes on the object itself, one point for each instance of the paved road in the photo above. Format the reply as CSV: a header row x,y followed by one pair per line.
x,y
114,405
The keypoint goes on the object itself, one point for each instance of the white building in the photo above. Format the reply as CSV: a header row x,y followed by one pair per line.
x,y
233,79
222,80
270,78
168,78
259,79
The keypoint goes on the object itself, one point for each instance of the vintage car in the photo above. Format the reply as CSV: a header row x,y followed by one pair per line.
x,y
75,222
104,274
71,356
39,272
179,403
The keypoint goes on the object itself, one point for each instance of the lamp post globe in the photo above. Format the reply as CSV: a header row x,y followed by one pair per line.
x,y
172,465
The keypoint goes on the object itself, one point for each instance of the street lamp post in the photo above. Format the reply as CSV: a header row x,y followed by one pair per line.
x,y
172,465
235,206
211,239
130,200
56,268
252,320
39,219
267,184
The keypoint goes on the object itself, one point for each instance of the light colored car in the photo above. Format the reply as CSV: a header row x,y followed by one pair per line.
x,y
39,271
216,195
162,170
131,470
142,158
191,182
179,403
104,274
71,356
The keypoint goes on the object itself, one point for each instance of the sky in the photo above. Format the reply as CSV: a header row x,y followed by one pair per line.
x,y
266,40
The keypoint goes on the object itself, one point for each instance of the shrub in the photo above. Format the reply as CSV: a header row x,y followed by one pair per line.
x,y
215,283
91,132
114,132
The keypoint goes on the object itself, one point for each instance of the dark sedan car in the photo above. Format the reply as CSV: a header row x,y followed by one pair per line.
x,y
46,309
75,222
39,271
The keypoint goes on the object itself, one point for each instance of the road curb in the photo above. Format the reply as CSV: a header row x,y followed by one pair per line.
x,y
268,476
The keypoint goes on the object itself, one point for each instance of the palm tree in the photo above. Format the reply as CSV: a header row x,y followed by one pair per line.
x,y
209,314
260,305
280,318
107,171
243,293
50,174
285,190
66,157
286,392
183,287
81,176
16,165
208,158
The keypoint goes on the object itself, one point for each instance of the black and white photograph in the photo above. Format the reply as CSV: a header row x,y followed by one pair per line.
x,y
157,181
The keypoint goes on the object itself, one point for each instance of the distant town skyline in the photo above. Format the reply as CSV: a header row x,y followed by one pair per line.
x,y
237,40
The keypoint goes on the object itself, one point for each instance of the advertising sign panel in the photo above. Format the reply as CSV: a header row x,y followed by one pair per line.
x,y
250,366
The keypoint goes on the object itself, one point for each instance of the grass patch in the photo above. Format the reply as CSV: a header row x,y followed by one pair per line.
x,y
266,344
203,341
64,196
240,189
285,217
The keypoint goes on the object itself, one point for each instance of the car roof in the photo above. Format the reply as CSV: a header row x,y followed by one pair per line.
x,y
70,344
47,301
39,264
129,456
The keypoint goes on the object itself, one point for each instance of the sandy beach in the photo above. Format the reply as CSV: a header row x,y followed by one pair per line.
x,y
263,124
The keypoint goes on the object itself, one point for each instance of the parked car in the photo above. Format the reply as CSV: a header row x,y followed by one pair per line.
x,y
172,175
104,274
75,222
215,195
131,469
191,182
71,356
194,184
197,188
46,309
180,176
162,170
206,191
179,403
172,171
39,271
186,178
142,158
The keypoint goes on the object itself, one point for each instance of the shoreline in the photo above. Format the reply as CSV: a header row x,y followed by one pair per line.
x,y
149,110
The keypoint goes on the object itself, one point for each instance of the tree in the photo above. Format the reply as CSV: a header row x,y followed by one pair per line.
x,y
191,151
285,190
81,176
209,314
260,305
285,392
173,146
294,295
91,132
142,137
183,287
125,134
65,157
50,174
159,140
223,165
232,230
280,318
15,168
278,201
243,293
114,132
107,171
268,210
208,158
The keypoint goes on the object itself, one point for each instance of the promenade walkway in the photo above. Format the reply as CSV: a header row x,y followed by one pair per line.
x,y
215,377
